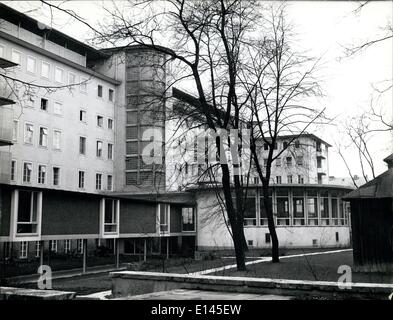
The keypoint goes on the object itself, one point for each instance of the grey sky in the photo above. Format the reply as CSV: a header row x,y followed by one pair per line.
x,y
322,28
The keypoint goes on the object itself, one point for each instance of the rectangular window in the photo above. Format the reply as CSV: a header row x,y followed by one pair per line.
x,y
299,161
79,246
110,217
58,108
109,182
250,213
312,207
82,145
267,238
288,161
59,75
99,91
81,179
265,146
100,121
283,207
37,249
319,162
53,245
71,79
83,85
98,181
31,65
16,57
298,207
45,69
82,116
99,149
164,217
67,246
56,139
43,139
29,132
300,179
15,131
289,178
27,220
41,174
324,206
44,104
110,124
263,208
110,151
188,219
27,170
110,95
278,162
278,179
56,176
23,250
13,170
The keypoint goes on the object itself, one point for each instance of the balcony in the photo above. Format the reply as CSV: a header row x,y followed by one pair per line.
x,y
5,167
6,125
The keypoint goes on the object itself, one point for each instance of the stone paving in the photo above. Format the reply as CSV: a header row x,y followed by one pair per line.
x,y
183,294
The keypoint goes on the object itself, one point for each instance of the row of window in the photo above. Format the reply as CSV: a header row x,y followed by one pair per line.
x,y
58,110
56,140
53,244
277,145
47,71
288,161
290,179
298,207
99,148
42,174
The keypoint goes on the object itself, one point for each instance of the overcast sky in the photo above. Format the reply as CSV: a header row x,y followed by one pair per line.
x,y
323,28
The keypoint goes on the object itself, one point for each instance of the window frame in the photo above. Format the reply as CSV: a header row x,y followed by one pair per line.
x,y
19,64
58,176
30,57
30,124
54,140
23,171
41,179
39,137
81,179
49,69
62,75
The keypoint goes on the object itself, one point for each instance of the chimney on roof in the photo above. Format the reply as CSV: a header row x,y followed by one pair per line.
x,y
389,161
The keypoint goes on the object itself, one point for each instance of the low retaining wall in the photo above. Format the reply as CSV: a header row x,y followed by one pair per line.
x,y
10,293
129,283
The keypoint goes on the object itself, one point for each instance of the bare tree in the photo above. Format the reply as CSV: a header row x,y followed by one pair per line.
x,y
237,56
278,83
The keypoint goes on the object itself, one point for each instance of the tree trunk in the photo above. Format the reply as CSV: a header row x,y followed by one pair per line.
x,y
239,240
271,226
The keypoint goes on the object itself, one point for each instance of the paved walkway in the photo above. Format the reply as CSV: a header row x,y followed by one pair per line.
x,y
184,294
62,274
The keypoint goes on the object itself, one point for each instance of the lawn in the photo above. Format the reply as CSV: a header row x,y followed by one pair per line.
x,y
322,267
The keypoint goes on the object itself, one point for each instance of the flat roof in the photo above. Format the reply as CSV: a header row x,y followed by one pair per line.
x,y
26,22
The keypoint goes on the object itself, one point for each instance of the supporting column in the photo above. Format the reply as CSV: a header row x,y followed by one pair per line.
x,y
167,247
117,252
84,248
144,250
42,253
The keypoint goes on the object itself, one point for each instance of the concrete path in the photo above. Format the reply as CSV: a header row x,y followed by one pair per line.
x,y
62,274
184,294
